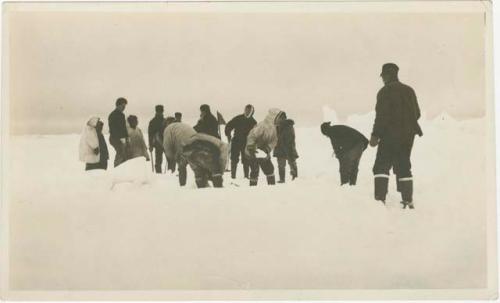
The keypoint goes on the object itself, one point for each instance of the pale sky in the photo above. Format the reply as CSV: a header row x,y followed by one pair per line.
x,y
67,66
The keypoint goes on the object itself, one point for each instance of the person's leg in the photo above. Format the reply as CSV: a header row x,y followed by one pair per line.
x,y
254,171
268,169
91,166
103,164
383,163
405,177
182,164
235,154
356,156
293,168
158,159
201,177
344,169
244,160
281,169
118,153
216,171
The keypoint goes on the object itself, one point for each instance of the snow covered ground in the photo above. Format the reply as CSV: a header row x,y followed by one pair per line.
x,y
73,230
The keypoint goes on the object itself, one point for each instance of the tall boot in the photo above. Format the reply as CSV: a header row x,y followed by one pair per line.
x,y
217,180
182,175
246,170
271,180
253,182
381,184
293,170
281,173
406,186
353,177
398,184
234,166
201,182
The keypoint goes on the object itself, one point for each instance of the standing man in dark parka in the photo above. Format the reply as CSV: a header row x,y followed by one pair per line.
x,y
242,125
118,134
155,136
395,127
207,124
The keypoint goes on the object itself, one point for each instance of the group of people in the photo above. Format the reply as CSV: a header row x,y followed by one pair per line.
x,y
200,147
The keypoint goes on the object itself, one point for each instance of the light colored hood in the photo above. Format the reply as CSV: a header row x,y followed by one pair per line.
x,y
271,115
92,122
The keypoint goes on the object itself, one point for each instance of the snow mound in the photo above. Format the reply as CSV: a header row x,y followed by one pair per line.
x,y
137,171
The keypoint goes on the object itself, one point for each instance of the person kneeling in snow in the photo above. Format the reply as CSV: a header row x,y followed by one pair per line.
x,y
285,149
263,137
93,148
137,146
348,145
207,157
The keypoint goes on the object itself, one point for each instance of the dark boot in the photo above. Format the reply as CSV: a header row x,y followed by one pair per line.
x,y
271,180
253,182
353,177
406,187
201,182
381,184
246,170
217,181
398,184
234,166
281,172
293,170
182,175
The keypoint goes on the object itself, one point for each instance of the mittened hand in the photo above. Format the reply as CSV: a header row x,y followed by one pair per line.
x,y
96,150
151,148
374,141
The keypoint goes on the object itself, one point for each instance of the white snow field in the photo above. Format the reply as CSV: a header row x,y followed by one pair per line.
x,y
127,229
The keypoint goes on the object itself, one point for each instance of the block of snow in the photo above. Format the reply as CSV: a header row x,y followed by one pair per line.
x,y
137,171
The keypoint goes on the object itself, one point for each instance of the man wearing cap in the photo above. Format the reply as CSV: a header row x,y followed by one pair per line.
x,y
241,124
155,136
395,127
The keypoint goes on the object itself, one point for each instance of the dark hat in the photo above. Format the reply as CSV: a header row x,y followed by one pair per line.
x,y
178,114
389,68
205,108
159,108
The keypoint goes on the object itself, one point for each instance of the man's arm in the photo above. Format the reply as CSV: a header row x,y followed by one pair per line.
x,y
415,104
382,112
229,127
200,126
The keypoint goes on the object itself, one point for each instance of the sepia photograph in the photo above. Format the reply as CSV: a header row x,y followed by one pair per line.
x,y
248,150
